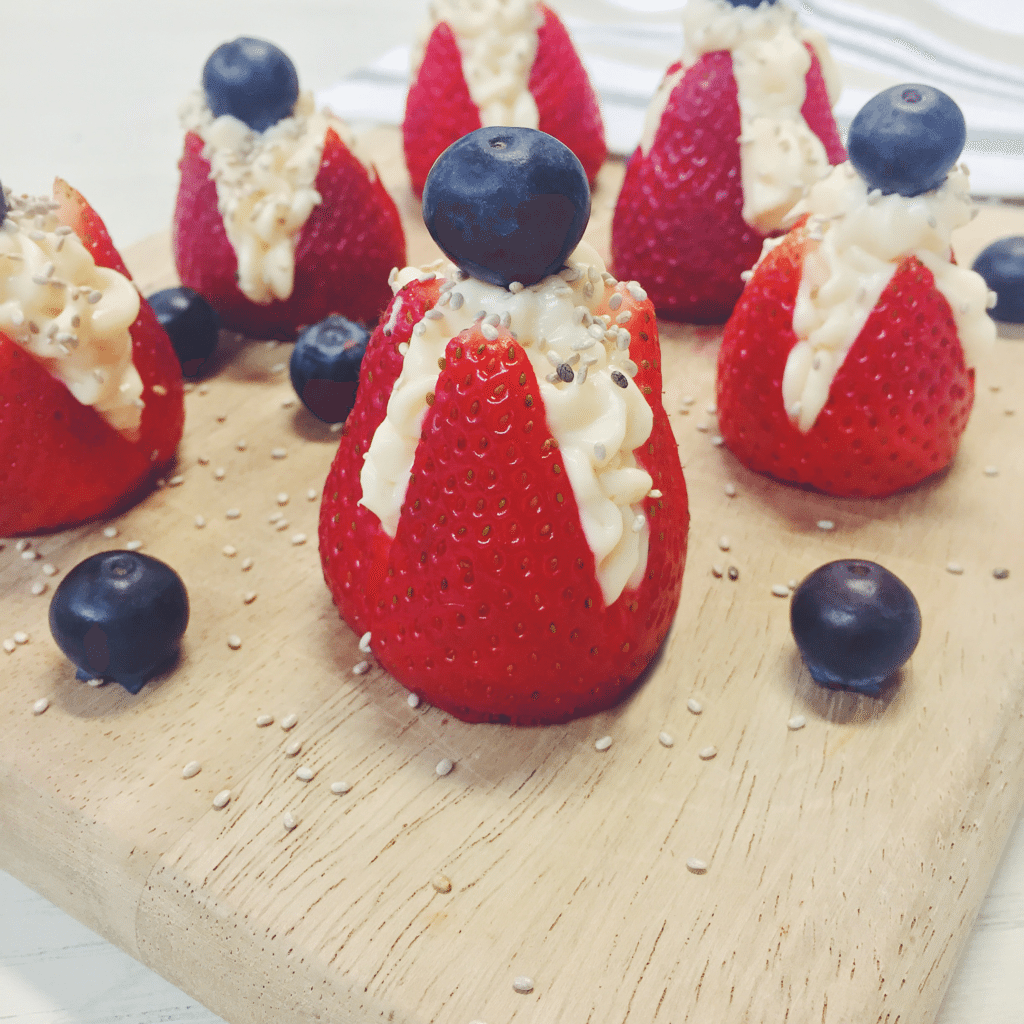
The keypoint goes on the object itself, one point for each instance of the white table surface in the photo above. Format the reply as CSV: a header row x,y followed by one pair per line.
x,y
91,94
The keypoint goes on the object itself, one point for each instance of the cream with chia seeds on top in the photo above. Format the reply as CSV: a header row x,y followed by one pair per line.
x,y
497,40
857,239
68,314
596,422
779,154
265,186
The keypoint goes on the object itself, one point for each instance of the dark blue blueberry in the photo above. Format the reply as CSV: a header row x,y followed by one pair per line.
x,y
325,367
191,323
120,615
906,139
749,3
252,80
1002,266
855,624
507,204
3,203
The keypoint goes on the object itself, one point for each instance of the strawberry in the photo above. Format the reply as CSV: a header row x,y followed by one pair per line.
x,y
487,601
678,224
896,407
439,108
62,462
343,255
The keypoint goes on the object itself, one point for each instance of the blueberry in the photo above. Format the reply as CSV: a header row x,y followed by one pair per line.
x,y
325,367
3,203
1002,266
252,80
190,322
855,624
507,204
749,3
120,615
906,139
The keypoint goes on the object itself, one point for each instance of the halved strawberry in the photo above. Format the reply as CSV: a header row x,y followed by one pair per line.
x,y
439,109
487,601
344,253
896,408
60,461
678,225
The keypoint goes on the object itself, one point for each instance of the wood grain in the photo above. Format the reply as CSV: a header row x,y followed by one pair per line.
x,y
846,860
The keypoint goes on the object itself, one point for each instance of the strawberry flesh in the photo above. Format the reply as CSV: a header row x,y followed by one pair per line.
x,y
897,406
344,253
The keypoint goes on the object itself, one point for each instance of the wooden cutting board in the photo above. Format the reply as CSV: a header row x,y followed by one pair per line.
x,y
845,860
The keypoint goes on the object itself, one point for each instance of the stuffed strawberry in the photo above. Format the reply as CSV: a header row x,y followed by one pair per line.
x,y
506,514
278,223
848,363
510,62
736,133
91,403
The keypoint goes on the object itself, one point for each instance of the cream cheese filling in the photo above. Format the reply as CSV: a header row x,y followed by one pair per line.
x,y
497,41
265,186
71,316
857,239
596,422
779,154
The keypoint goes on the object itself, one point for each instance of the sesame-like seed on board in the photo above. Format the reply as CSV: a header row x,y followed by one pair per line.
x,y
40,705
249,596
218,473
21,637
733,573
442,883
279,453
665,739
262,721
603,743
304,773
23,544
287,403
312,494
796,722
288,820
293,748
955,568
717,440
282,525
232,513
247,564
49,570
222,799
696,866
39,587
991,471
780,590
694,706
444,766
340,787
95,682
1001,573
522,984
289,722
234,642
110,532
200,522
707,753
360,668
29,555
723,543
176,481
826,525
229,551
191,770
413,700
275,517
9,645
282,498
730,490
336,428
711,409
298,539
241,444
364,642
279,368
717,571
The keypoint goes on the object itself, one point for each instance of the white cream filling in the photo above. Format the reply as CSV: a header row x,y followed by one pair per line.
x,y
596,422
265,186
70,315
497,40
779,154
857,240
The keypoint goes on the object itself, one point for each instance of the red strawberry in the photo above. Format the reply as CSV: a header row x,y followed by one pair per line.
x,y
61,462
439,108
896,408
343,256
678,225
487,601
